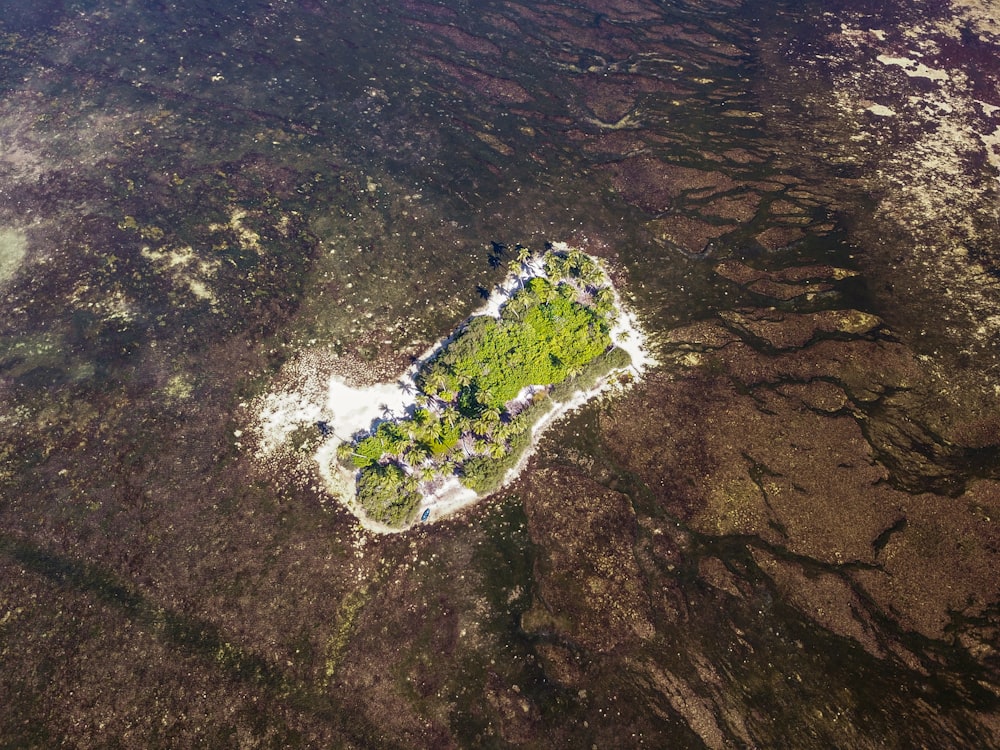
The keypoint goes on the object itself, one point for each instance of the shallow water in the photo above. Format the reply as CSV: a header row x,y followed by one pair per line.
x,y
785,537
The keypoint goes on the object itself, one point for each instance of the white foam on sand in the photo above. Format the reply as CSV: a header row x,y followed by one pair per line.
x,y
880,110
316,393
914,69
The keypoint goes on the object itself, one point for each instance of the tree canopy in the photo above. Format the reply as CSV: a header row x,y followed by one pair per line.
x,y
553,334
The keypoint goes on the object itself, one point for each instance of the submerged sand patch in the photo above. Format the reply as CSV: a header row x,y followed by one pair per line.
x,y
13,250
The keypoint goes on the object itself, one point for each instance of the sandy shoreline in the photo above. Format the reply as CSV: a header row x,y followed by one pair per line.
x,y
318,394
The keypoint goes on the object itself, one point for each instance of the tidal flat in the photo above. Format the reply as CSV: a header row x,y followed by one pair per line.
x,y
784,535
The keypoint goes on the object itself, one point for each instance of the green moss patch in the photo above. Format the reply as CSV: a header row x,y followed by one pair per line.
x,y
13,248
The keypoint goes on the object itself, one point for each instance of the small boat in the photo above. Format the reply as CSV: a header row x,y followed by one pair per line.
x,y
426,514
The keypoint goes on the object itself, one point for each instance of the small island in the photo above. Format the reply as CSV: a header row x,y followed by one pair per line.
x,y
477,398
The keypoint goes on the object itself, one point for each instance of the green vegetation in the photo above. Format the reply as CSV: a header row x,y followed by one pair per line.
x,y
480,396
543,336
388,494
484,473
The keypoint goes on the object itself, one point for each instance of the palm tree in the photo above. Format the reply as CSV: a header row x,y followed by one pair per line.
x,y
577,260
517,306
450,416
486,424
592,274
429,431
552,266
502,431
519,265
605,300
437,379
436,382
416,452
546,292
346,452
